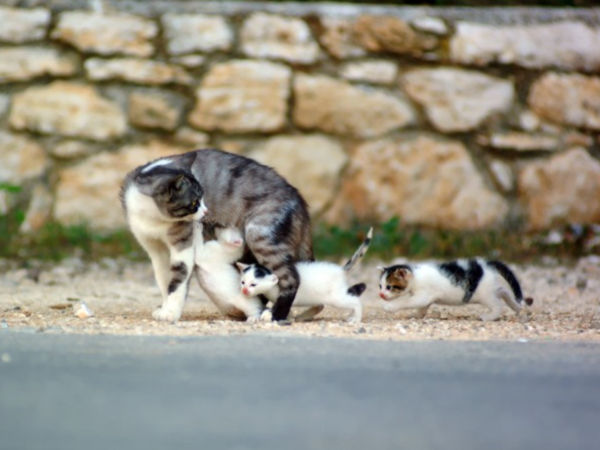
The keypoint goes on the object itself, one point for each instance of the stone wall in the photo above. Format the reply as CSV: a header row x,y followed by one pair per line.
x,y
454,118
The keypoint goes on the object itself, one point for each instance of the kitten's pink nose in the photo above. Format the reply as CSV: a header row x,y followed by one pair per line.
x,y
245,291
382,295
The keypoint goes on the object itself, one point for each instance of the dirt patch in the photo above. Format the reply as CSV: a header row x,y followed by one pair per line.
x,y
121,295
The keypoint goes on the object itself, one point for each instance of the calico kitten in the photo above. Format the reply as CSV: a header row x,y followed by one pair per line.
x,y
161,204
321,283
239,192
220,279
490,283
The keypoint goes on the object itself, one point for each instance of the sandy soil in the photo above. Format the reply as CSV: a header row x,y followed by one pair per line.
x,y
121,295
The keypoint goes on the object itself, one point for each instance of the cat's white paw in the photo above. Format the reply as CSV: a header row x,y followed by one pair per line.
x,y
266,316
166,314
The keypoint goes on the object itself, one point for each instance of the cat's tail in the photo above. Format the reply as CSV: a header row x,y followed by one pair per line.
x,y
360,251
512,281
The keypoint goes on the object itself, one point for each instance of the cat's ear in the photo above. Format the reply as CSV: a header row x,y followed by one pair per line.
x,y
179,182
241,266
381,268
274,279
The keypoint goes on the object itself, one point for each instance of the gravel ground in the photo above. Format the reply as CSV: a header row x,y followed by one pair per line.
x,y
121,295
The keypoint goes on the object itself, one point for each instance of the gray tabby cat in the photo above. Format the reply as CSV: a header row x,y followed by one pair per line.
x,y
239,192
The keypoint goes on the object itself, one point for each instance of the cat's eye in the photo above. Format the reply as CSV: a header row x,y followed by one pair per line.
x,y
253,285
388,287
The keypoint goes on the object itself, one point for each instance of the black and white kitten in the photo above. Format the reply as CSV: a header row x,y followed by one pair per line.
x,y
161,205
490,283
321,283
242,193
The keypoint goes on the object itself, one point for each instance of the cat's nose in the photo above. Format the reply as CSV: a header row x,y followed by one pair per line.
x,y
245,291
382,295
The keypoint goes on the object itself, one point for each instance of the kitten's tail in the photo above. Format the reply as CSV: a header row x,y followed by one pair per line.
x,y
360,251
512,281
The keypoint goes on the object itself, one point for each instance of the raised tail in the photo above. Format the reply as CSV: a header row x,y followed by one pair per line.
x,y
512,281
360,251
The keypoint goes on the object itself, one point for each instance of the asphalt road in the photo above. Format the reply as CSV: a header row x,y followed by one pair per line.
x,y
279,392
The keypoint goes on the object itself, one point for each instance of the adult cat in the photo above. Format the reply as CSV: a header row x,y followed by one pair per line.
x,y
272,215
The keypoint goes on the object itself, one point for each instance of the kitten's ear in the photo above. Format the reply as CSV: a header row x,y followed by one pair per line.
x,y
241,266
404,273
274,279
381,268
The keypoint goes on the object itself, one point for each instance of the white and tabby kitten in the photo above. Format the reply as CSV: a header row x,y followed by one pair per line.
x,y
161,205
490,283
273,217
321,283
219,278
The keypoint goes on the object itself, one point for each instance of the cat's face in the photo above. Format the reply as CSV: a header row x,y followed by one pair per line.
x,y
176,193
255,279
394,281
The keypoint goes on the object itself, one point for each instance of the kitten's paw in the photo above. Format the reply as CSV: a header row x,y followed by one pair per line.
x,y
254,319
489,317
353,320
166,314
266,316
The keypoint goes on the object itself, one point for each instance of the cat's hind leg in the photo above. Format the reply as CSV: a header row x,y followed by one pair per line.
x,y
494,304
308,313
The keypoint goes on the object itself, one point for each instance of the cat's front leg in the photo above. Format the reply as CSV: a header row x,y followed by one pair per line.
x,y
182,253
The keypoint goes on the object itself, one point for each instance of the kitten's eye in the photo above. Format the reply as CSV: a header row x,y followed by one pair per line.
x,y
388,287
253,285
243,283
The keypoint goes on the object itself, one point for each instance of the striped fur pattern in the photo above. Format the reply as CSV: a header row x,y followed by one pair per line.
x,y
487,282
321,283
271,214
162,204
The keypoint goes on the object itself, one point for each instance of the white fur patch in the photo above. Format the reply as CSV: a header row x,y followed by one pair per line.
x,y
158,163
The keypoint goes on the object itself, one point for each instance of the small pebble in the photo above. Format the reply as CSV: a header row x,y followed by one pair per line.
x,y
83,312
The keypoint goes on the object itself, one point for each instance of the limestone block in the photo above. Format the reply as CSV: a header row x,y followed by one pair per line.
x,y
72,149
25,63
136,70
187,33
338,107
503,175
242,96
520,141
422,180
191,61
272,36
67,109
390,34
21,159
106,34
562,189
456,99
376,72
189,137
23,25
567,99
429,24
337,38
311,163
154,109
39,209
88,192
565,45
